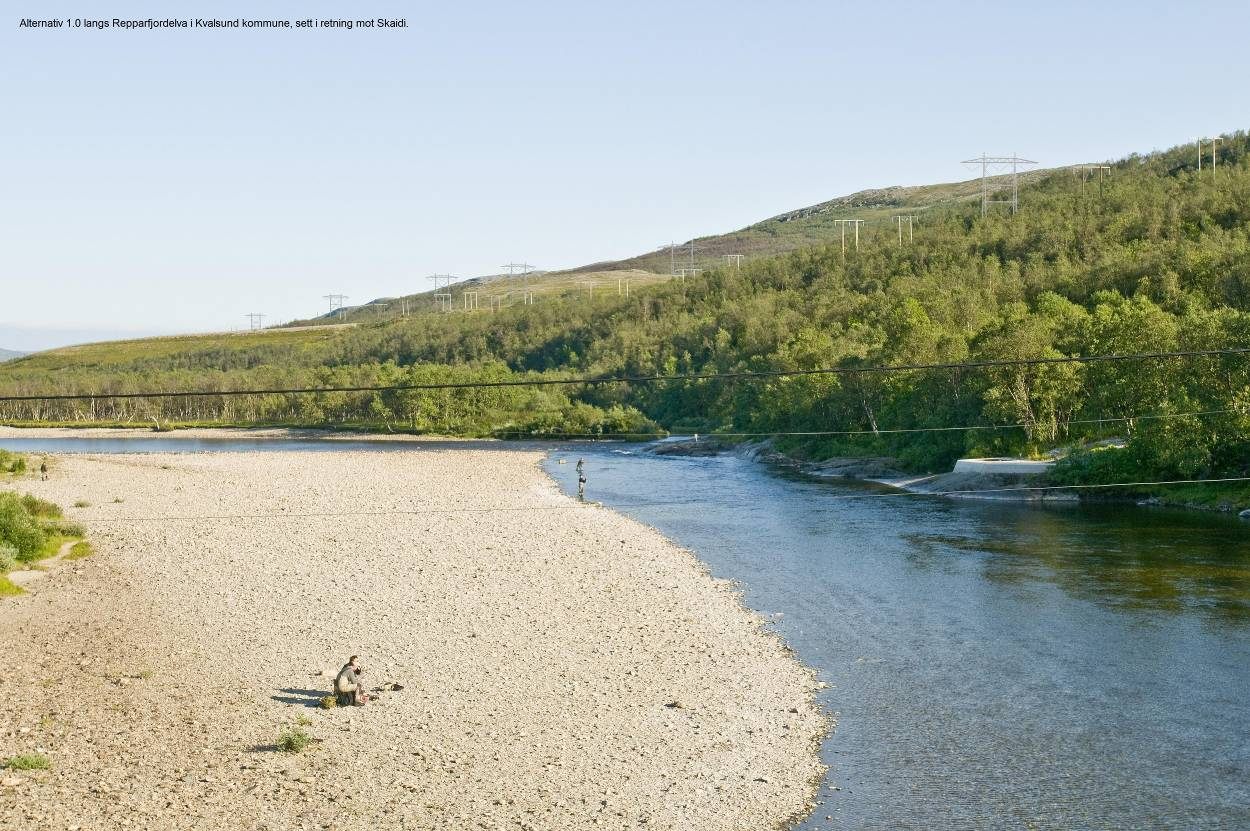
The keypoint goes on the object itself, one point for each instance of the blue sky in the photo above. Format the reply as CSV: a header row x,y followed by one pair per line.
x,y
176,180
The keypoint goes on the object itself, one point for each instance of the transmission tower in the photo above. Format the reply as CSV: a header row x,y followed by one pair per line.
x,y
442,291
336,302
470,301
257,320
527,296
1214,140
736,259
911,235
1104,170
590,290
989,162
844,223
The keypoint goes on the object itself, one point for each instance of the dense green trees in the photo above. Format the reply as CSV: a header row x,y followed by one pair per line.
x,y
1160,262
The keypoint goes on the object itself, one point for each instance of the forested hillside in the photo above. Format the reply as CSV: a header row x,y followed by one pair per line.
x,y
1158,261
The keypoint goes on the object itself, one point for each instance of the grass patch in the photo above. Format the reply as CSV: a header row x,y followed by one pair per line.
x,y
294,740
8,588
41,508
28,761
303,721
117,500
80,549
82,503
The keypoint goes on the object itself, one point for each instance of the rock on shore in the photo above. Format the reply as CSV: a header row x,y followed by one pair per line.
x,y
540,642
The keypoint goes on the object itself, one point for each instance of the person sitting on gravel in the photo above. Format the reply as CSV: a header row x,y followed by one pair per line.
x,y
348,688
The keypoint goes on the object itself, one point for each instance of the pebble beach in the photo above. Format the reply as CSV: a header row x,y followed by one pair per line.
x,y
563,666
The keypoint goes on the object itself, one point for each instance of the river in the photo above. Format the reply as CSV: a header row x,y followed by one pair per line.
x,y
991,665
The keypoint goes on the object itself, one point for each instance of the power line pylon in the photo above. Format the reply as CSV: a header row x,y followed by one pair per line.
x,y
257,320
987,162
1104,170
336,303
527,296
470,301
911,235
590,289
843,223
442,291
736,259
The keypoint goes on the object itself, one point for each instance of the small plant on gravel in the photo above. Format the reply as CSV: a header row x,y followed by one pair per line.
x,y
294,740
28,761
303,721
117,500
327,703
147,674
82,503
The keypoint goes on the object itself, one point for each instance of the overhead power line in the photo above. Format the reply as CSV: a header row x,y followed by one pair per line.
x,y
641,379
882,431
485,509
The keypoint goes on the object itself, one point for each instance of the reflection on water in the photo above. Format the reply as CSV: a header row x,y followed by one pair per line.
x,y
992,665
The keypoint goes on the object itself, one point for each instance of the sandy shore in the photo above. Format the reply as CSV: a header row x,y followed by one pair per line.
x,y
541,642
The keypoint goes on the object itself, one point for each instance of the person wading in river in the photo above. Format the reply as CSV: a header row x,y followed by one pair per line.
x,y
348,689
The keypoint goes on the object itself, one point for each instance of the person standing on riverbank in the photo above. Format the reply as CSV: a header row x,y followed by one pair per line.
x,y
581,486
43,470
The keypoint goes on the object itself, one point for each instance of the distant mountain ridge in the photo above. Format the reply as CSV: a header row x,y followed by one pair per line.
x,y
10,354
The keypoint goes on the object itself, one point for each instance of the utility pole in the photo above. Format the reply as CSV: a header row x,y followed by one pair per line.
x,y
1199,155
442,291
1104,170
844,223
986,163
470,301
590,287
911,237
257,320
736,259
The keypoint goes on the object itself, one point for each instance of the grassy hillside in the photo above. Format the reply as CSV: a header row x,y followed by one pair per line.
x,y
802,228
815,225
1160,262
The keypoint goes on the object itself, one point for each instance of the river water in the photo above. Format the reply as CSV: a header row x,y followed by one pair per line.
x,y
994,665
991,665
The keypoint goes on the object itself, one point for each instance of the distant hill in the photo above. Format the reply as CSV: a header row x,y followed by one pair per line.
x,y
9,354
813,225
789,231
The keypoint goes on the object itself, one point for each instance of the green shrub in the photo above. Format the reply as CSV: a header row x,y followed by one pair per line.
x,y
8,558
40,507
82,503
11,462
19,529
28,761
64,529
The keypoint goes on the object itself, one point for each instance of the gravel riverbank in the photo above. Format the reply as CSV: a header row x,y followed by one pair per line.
x,y
564,667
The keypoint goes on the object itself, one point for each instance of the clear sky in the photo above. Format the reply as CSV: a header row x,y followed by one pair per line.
x,y
164,181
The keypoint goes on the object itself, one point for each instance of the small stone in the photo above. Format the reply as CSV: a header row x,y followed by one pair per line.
x,y
10,782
